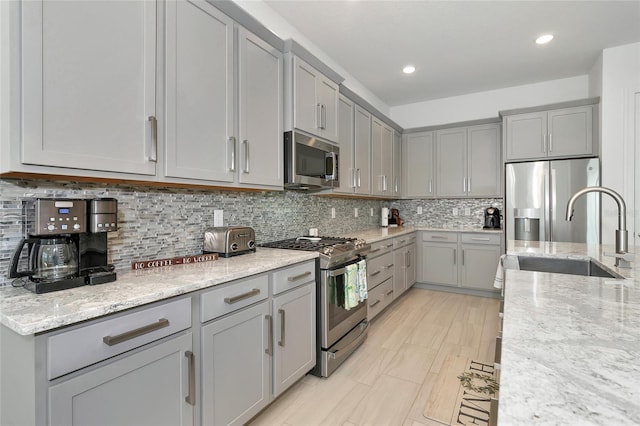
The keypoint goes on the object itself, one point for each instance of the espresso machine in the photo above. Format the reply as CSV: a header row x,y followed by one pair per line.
x,y
67,243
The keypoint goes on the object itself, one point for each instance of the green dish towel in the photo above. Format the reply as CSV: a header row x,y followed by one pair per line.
x,y
351,296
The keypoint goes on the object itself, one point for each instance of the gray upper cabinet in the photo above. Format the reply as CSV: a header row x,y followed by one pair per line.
x,y
346,167
397,165
418,159
88,94
381,158
362,150
313,100
468,161
566,132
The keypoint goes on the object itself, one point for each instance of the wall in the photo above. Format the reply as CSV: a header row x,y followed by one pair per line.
x,y
481,105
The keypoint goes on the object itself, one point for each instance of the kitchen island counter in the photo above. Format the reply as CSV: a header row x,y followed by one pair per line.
x,y
570,344
27,313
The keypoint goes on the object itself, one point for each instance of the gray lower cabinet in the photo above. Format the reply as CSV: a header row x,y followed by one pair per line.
x,y
150,387
439,263
404,273
478,265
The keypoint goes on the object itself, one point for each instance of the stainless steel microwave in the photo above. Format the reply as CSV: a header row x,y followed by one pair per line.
x,y
310,163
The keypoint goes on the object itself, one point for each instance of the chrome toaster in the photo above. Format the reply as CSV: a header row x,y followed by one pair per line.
x,y
229,240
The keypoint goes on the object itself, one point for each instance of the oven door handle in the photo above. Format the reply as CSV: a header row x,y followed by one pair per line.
x,y
337,354
337,272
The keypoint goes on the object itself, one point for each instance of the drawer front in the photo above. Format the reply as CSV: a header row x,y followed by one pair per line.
x,y
404,240
233,296
379,298
440,237
78,348
294,276
380,247
379,269
486,238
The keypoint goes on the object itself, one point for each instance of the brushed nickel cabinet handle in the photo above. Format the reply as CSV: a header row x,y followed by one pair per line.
x,y
468,185
359,179
246,155
389,292
464,185
438,237
462,257
132,334
373,274
234,299
430,186
323,116
282,327
153,152
389,245
191,397
407,259
389,266
374,303
269,350
550,142
297,277
232,142
544,143
374,251
318,116
455,255
480,239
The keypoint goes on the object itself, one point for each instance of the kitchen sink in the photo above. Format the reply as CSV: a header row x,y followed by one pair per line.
x,y
583,267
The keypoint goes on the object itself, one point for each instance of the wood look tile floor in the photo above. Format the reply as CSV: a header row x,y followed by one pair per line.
x,y
388,381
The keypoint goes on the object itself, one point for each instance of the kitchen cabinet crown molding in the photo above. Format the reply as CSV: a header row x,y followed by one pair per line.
x,y
469,123
354,97
559,105
290,45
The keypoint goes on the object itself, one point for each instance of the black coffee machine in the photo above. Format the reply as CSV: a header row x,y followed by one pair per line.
x,y
491,218
67,243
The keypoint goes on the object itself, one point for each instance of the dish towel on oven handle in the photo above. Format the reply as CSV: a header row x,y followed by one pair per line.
x,y
351,298
362,280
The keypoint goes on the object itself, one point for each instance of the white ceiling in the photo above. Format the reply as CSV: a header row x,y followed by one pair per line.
x,y
460,47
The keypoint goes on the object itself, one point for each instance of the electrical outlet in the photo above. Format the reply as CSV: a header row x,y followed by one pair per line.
x,y
467,211
371,211
455,211
355,212
218,218
333,212
420,210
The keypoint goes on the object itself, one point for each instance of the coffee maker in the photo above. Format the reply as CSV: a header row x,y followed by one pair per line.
x,y
491,218
67,243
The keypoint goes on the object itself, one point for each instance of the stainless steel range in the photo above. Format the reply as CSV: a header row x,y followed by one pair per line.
x,y
339,331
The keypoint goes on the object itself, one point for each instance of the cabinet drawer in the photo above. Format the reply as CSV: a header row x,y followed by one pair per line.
x,y
294,276
380,247
440,237
484,238
379,298
231,297
379,269
78,348
404,240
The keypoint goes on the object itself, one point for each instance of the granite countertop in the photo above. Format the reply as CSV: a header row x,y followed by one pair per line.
x,y
28,313
570,344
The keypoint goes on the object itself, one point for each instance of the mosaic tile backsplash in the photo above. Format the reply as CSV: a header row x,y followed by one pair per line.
x,y
160,223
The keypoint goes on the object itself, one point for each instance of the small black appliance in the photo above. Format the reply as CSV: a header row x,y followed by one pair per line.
x,y
491,218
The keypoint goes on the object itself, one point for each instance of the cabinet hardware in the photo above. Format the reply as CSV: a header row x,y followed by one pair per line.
x,y
550,142
390,292
395,184
462,257
468,185
389,266
430,186
354,178
384,183
191,397
374,251
297,277
407,261
389,245
544,143
464,185
282,327
132,334
438,237
246,155
359,179
323,116
234,299
153,151
480,239
374,303
232,142
373,274
402,241
318,116
269,350
455,255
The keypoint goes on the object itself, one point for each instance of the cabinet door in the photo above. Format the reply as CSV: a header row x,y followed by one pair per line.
x,y
451,165
261,109
411,265
88,91
306,114
381,157
345,140
526,136
483,161
236,366
146,388
399,271
478,266
440,264
571,131
397,165
418,165
362,160
328,100
294,336
199,74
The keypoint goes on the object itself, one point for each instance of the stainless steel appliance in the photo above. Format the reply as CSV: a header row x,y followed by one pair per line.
x,y
310,163
536,198
491,218
67,244
229,240
339,331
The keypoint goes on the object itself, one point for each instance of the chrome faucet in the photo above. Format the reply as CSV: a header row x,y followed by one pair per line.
x,y
622,236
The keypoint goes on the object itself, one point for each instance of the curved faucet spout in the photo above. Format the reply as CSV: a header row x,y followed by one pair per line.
x,y
621,233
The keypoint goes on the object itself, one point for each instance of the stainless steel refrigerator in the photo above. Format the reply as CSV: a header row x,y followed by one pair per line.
x,y
536,200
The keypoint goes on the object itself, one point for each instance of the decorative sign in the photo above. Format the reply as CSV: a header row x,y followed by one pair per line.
x,y
183,260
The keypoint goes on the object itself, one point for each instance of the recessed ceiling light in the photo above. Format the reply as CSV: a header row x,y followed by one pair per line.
x,y
408,69
544,39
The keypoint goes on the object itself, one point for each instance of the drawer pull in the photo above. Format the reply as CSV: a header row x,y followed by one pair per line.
x,y
234,299
374,251
374,303
390,292
389,266
128,335
480,239
389,245
191,398
297,277
373,274
439,237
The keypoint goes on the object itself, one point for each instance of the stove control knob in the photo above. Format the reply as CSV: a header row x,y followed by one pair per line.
x,y
327,250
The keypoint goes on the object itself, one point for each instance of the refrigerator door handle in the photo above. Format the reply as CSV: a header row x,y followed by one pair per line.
x,y
547,203
553,196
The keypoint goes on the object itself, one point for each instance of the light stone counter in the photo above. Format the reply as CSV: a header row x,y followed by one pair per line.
x,y
571,344
28,313
378,234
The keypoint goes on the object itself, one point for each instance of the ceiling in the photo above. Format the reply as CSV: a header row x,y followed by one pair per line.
x,y
460,47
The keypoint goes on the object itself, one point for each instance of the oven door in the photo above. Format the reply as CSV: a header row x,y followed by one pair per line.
x,y
335,320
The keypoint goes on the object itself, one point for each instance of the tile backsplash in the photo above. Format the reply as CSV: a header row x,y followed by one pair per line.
x,y
166,222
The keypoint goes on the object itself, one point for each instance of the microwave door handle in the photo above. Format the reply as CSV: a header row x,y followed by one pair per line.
x,y
334,161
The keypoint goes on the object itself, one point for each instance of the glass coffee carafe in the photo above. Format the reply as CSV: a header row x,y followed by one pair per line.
x,y
50,259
